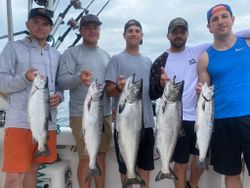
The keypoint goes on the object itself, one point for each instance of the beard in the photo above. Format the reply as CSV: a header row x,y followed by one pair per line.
x,y
180,43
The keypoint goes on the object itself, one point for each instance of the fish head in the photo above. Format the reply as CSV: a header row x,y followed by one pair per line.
x,y
207,91
40,81
96,90
133,88
173,91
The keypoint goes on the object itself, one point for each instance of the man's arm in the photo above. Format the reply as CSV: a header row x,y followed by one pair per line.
x,y
115,89
11,81
202,69
67,78
203,72
244,33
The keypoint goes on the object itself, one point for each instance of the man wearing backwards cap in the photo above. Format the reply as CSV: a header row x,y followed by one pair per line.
x,y
78,66
20,61
226,65
181,60
122,66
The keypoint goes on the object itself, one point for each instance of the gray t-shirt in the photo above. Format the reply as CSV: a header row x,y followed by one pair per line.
x,y
127,64
72,63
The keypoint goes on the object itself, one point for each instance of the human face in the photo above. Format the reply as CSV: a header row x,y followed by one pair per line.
x,y
178,38
39,28
90,33
220,23
133,36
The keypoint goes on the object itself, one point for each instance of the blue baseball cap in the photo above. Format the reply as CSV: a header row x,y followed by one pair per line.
x,y
217,8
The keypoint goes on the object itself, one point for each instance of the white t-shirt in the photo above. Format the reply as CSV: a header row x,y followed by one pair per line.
x,y
183,65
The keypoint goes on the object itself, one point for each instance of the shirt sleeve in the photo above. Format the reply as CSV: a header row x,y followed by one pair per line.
x,y
67,77
11,81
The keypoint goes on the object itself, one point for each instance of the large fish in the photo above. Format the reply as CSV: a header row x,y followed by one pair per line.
x,y
93,125
38,113
129,126
204,120
168,125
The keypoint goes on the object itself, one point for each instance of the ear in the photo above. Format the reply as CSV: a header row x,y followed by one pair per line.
x,y
233,19
168,36
27,25
208,26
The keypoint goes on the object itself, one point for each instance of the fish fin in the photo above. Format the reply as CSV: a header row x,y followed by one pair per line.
x,y
164,107
121,107
203,105
93,172
89,103
203,164
170,175
130,181
46,152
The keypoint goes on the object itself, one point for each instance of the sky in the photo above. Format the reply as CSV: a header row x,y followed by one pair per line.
x,y
154,16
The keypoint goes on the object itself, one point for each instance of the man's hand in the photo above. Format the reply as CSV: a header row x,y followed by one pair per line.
x,y
121,83
163,78
31,73
86,76
54,100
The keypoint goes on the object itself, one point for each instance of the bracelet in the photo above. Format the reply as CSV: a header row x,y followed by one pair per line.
x,y
117,88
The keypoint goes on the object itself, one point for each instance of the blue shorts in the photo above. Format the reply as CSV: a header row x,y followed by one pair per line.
x,y
185,143
145,158
230,139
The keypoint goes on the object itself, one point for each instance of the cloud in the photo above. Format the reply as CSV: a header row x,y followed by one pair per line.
x,y
154,16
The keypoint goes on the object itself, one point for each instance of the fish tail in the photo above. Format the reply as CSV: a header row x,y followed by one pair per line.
x,y
96,171
130,181
45,152
170,175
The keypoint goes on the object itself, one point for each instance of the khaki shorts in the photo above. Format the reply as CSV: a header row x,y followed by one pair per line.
x,y
76,126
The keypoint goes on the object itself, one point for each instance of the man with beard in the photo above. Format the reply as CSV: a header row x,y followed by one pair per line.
x,y
181,61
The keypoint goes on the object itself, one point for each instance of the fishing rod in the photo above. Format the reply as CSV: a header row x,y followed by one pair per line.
x,y
78,35
76,4
61,38
16,33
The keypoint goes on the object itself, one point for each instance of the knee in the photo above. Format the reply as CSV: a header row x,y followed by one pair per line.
x,y
13,180
180,167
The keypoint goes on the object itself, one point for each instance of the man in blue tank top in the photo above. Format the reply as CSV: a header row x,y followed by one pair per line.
x,y
226,65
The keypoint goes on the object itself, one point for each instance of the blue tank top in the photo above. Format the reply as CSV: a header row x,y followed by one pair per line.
x,y
230,74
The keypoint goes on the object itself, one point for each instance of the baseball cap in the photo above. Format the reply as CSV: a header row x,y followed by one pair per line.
x,y
89,18
41,12
217,8
177,22
132,22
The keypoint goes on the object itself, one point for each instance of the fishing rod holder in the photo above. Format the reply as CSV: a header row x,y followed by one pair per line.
x,y
42,2
76,4
72,23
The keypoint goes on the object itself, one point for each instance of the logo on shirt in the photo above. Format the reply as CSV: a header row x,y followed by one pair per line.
x,y
238,49
192,61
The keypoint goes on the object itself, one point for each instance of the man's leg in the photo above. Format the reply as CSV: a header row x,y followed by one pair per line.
x,y
14,180
82,172
144,174
100,180
30,178
233,182
180,171
196,172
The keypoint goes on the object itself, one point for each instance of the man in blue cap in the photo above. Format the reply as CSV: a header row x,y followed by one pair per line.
x,y
226,65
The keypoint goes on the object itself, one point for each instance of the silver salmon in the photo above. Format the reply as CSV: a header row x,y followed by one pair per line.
x,y
38,113
204,120
168,124
93,125
129,124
